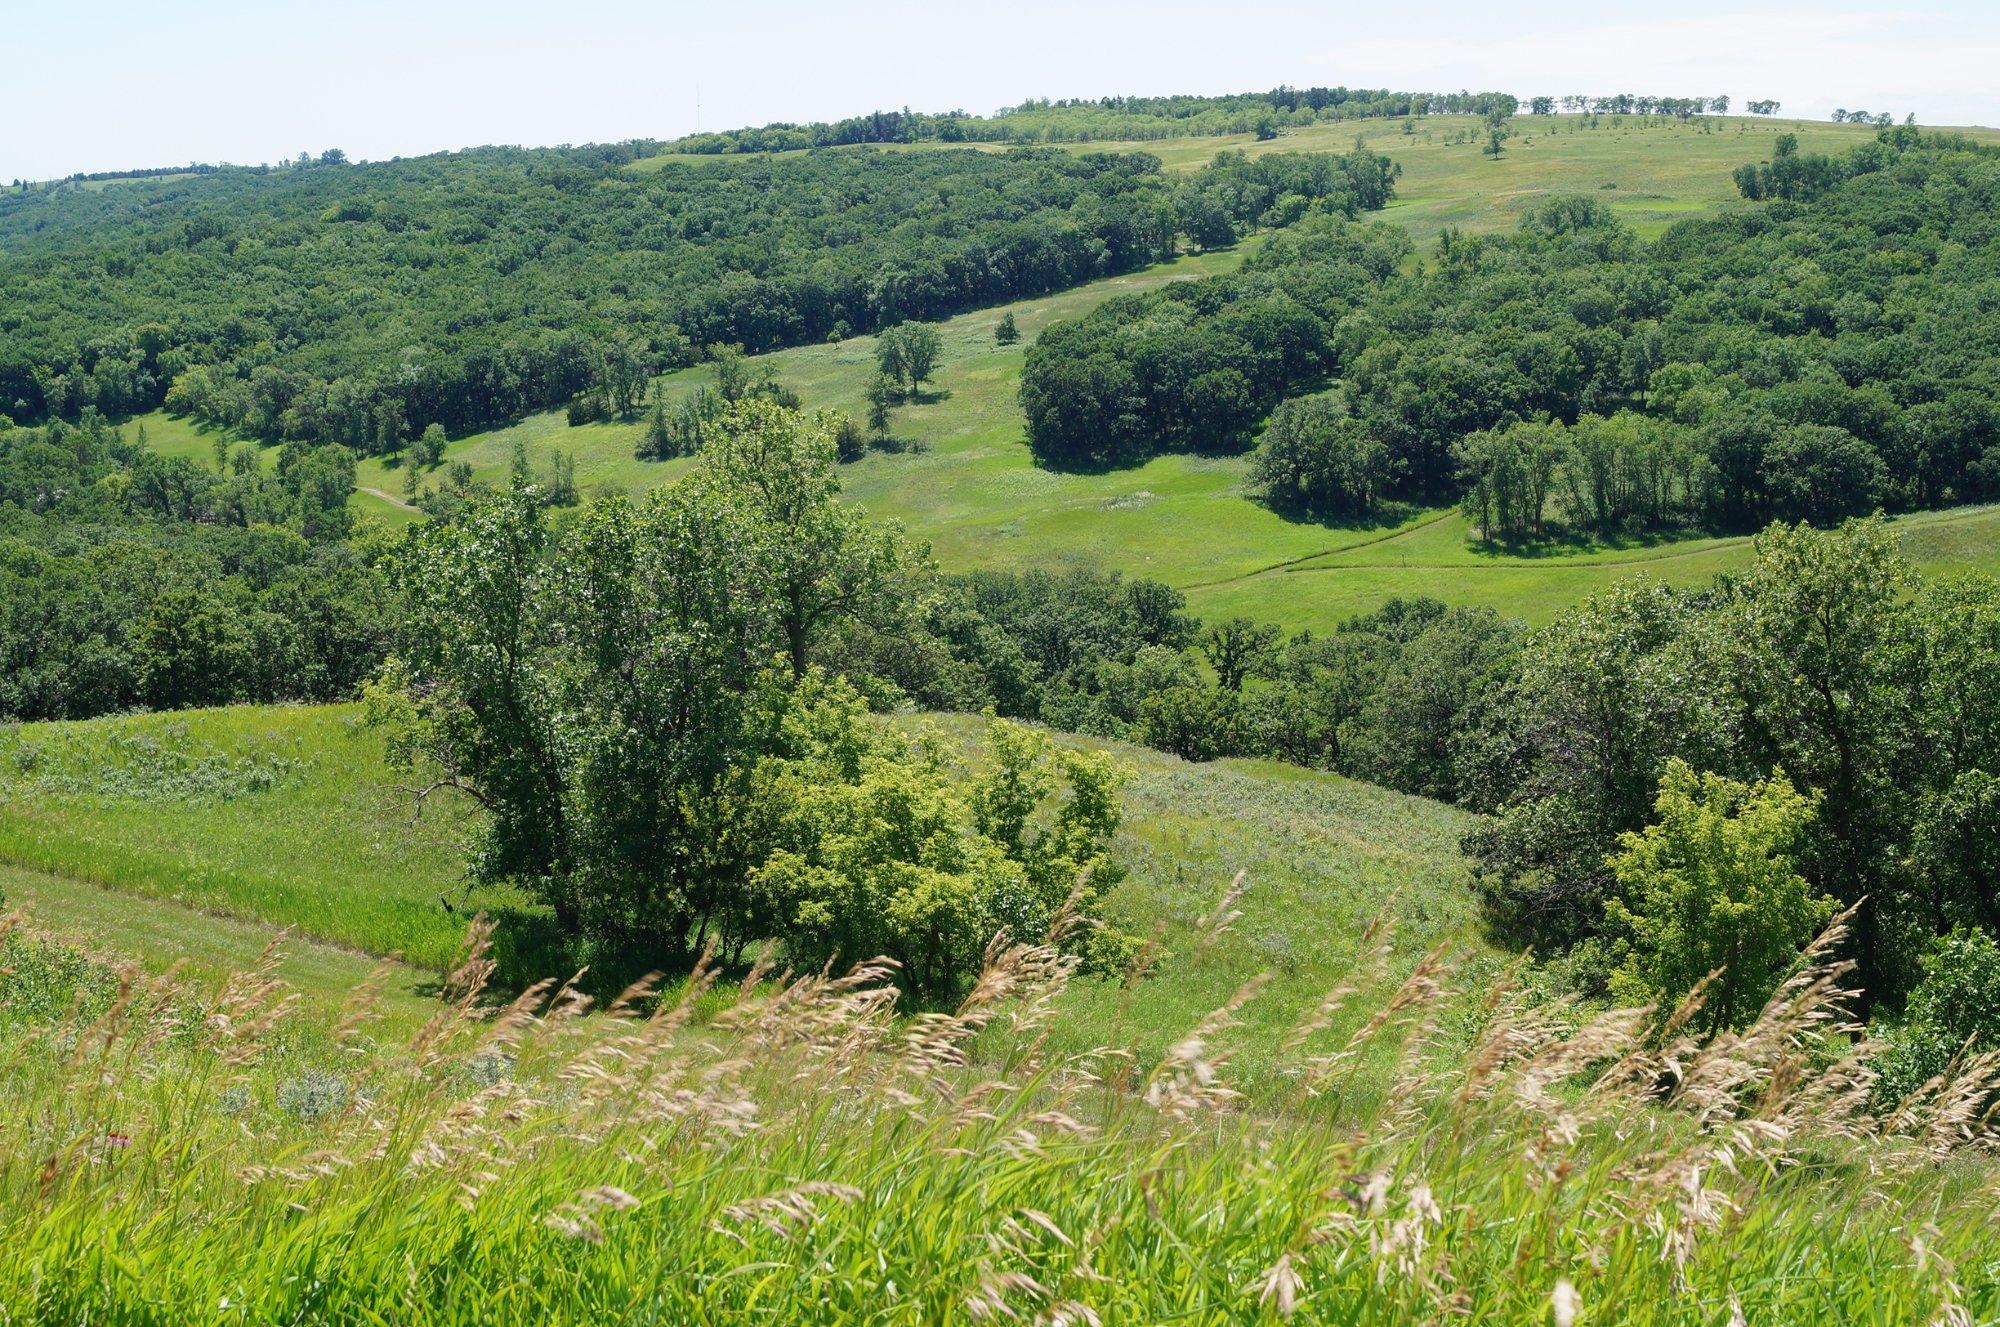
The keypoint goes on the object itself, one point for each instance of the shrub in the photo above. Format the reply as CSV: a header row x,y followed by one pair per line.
x,y
876,851
1710,886
1954,1009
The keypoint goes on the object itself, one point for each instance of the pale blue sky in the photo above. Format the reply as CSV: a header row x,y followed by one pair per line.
x,y
122,83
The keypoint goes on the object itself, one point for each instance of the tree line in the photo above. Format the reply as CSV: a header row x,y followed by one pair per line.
x,y
1125,119
1626,103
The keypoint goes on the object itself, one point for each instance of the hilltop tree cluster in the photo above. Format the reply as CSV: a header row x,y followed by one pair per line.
x,y
1122,119
1626,103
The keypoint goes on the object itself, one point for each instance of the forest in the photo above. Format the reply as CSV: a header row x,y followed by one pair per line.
x,y
360,304
1817,356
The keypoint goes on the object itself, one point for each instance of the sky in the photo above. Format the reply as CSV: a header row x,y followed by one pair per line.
x,y
131,83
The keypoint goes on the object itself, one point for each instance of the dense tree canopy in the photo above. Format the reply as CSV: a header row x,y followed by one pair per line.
x,y
1809,358
130,579
362,303
634,698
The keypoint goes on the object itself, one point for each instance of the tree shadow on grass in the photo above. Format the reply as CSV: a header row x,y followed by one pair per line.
x,y
528,947
1384,518
1568,543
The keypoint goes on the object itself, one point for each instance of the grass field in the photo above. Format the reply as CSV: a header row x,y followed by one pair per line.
x,y
793,1151
964,480
191,816
1652,172
205,947
282,815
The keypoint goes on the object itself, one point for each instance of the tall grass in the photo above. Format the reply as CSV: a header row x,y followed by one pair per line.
x,y
794,1152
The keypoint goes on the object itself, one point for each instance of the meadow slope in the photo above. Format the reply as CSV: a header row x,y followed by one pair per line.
x,y
288,816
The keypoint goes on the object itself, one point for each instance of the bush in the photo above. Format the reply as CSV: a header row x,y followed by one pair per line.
x,y
876,850
1956,1008
1710,886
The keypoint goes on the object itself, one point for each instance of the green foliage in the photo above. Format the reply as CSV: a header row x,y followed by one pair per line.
x,y
1315,460
1710,887
1755,366
874,849
427,452
602,691
350,304
1817,662
129,579
1953,1013
1005,332
166,766
1238,649
820,559
907,355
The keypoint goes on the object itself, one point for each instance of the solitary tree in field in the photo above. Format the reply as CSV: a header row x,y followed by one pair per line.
x,y
1006,333
882,394
427,452
908,354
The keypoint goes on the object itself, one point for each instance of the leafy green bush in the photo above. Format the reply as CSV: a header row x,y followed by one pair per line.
x,y
874,848
1955,1010
1709,888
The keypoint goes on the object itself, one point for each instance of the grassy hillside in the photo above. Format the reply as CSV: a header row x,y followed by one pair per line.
x,y
1651,172
965,482
289,816
120,927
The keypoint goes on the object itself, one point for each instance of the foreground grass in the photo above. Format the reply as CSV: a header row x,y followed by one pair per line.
x,y
799,1155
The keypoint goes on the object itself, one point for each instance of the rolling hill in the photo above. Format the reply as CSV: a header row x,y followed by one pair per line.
x,y
196,835
964,482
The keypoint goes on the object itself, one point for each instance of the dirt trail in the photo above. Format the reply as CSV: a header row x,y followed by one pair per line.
x,y
389,498
1322,553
